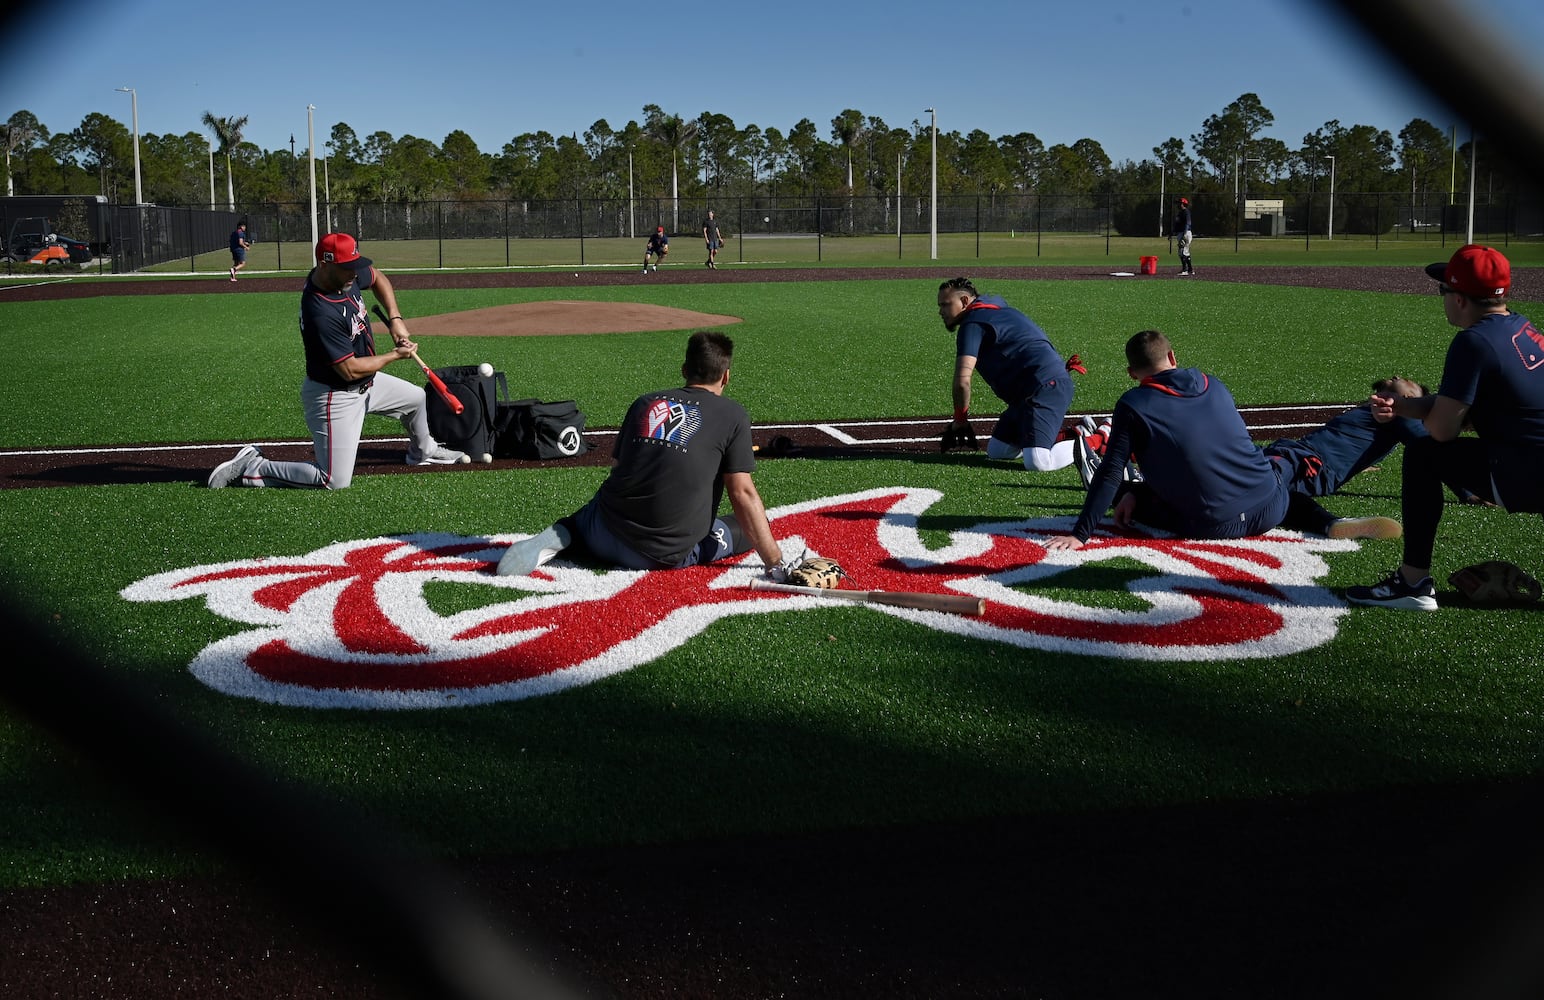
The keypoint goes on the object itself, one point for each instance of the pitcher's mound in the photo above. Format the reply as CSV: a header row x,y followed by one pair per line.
x,y
560,318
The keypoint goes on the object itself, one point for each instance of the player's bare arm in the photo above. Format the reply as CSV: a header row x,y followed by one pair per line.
x,y
964,368
1445,418
386,295
752,515
355,368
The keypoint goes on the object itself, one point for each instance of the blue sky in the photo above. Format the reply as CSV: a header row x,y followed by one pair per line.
x,y
1129,74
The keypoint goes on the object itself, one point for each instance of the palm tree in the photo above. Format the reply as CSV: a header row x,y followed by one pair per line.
x,y
675,132
228,131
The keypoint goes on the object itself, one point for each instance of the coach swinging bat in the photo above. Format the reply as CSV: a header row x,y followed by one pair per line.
x,y
451,401
952,603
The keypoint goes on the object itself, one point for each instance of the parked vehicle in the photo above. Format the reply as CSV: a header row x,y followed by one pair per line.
x,y
33,241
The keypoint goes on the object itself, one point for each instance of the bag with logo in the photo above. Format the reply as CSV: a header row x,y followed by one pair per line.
x,y
472,430
530,428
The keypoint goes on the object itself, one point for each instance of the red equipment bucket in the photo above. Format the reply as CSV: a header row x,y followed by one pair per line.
x,y
1149,265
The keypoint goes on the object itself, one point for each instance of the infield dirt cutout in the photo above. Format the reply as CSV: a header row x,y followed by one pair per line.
x,y
559,318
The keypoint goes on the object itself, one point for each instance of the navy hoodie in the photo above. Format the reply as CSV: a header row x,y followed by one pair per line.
x,y
1196,455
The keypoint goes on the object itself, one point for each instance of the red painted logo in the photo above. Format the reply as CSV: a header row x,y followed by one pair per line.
x,y
355,624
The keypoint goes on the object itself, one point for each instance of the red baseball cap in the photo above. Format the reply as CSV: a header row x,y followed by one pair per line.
x,y
1184,201
659,229
340,249
1477,271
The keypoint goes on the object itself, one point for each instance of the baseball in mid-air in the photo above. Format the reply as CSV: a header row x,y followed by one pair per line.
x,y
485,369
487,458
767,219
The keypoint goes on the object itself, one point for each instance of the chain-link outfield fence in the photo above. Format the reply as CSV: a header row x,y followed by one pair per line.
x,y
786,230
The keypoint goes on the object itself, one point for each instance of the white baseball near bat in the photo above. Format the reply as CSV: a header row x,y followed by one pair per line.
x,y
953,603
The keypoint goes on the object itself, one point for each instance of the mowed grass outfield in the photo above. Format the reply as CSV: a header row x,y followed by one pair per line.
x,y
805,720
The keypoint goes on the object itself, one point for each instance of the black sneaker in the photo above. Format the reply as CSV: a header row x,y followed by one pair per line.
x,y
1394,592
1085,458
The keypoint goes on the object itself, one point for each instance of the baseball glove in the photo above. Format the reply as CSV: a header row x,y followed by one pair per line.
x,y
1495,582
958,436
819,572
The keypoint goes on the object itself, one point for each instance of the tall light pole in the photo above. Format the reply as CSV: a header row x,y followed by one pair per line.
x,y
932,237
327,183
139,195
1330,232
311,159
210,144
1163,177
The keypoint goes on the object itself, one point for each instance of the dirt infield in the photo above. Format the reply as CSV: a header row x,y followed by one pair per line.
x,y
1380,894
561,318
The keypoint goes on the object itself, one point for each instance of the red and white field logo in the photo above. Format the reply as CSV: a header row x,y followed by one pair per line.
x,y
351,625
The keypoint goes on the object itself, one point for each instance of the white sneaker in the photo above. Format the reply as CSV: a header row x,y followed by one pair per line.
x,y
522,557
442,455
229,472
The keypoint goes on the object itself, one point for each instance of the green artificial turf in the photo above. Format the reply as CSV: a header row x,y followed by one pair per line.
x,y
790,721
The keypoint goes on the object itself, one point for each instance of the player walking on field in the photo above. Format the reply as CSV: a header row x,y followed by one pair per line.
x,y
345,379
1018,363
1493,380
713,238
240,244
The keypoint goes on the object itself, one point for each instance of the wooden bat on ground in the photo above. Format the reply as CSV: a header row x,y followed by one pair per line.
x,y
456,406
952,603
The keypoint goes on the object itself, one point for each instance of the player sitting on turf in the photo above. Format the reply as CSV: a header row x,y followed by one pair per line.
x,y
1320,462
1202,475
1492,379
679,451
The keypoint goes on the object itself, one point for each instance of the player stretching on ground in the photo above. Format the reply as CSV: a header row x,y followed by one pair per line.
x,y
1018,363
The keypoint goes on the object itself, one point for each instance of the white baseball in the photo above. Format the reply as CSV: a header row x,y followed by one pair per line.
x,y
485,369
487,458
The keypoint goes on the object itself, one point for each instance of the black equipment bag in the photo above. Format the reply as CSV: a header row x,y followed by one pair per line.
x,y
471,430
530,428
